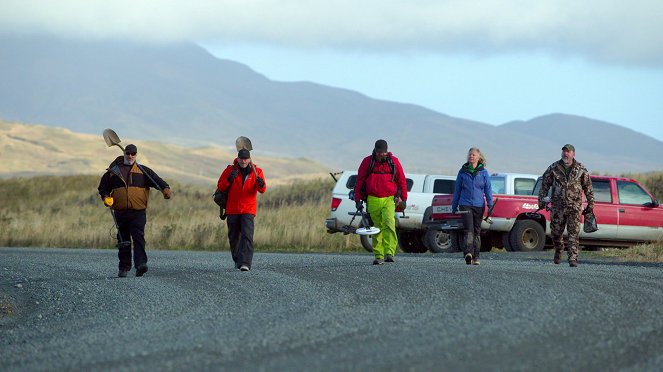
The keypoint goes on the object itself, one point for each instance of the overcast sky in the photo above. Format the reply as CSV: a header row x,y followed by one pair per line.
x,y
491,61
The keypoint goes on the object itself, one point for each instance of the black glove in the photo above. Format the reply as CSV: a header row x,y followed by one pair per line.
x,y
542,204
233,174
260,182
588,210
359,204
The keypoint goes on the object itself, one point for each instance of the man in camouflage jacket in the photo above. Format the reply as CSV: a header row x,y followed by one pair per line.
x,y
568,179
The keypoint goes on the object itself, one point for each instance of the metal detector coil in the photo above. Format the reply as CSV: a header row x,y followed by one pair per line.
x,y
367,230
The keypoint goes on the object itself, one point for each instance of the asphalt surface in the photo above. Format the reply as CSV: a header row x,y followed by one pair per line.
x,y
193,311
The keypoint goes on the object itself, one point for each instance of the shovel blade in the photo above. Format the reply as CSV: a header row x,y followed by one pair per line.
x,y
243,143
111,137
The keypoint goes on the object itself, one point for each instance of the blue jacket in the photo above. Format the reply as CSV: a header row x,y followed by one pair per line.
x,y
472,187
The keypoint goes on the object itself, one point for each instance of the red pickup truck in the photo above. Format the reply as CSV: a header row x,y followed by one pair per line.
x,y
625,211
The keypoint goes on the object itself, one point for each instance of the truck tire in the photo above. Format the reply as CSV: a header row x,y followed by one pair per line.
x,y
527,236
366,242
438,241
410,242
506,241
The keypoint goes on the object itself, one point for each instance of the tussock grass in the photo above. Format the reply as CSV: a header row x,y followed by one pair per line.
x,y
66,211
651,252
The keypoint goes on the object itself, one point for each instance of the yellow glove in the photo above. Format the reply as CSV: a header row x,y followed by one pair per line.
x,y
108,201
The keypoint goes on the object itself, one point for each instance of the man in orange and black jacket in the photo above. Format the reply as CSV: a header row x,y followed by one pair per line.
x,y
128,183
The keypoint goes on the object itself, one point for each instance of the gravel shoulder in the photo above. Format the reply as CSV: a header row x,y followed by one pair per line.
x,y
328,312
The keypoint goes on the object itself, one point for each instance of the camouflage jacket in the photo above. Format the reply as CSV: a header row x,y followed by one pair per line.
x,y
567,191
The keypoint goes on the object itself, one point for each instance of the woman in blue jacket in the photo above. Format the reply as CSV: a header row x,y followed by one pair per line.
x,y
473,193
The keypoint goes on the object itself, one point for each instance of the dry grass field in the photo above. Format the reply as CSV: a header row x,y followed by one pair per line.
x,y
66,211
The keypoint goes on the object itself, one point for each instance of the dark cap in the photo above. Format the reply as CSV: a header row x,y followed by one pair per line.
x,y
244,154
380,145
569,147
130,148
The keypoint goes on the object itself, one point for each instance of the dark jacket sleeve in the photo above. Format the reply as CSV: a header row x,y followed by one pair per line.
x,y
160,184
104,185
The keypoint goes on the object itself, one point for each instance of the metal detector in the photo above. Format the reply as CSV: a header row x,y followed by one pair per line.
x,y
365,229
112,139
120,242
538,216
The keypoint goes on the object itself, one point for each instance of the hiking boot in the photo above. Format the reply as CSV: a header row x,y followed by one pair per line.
x,y
378,261
468,258
244,268
388,258
476,262
573,263
122,273
558,258
142,269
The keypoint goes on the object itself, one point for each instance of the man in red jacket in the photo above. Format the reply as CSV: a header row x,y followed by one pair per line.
x,y
381,183
243,180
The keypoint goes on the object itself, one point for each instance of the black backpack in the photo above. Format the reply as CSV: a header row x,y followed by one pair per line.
x,y
221,199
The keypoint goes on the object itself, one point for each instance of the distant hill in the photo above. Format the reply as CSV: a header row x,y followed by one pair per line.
x,y
181,94
29,150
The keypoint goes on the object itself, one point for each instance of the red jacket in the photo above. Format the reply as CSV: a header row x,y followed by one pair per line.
x,y
242,198
381,182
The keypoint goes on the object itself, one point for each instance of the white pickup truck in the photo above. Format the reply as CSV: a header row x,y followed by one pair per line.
x,y
409,223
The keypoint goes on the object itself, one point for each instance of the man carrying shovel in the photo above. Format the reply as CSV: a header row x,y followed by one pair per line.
x,y
244,180
125,189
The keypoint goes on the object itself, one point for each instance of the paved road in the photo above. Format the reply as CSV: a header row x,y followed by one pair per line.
x,y
327,312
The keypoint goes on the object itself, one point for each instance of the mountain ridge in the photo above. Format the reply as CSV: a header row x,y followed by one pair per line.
x,y
182,94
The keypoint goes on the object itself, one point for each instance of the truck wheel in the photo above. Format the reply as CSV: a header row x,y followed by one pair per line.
x,y
410,242
527,236
366,242
506,241
438,241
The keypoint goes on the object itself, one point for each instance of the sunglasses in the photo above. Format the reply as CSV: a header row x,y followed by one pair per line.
x,y
130,153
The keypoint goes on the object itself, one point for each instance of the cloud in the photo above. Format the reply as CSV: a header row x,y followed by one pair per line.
x,y
603,31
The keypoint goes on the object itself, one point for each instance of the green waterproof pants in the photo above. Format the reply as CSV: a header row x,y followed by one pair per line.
x,y
383,214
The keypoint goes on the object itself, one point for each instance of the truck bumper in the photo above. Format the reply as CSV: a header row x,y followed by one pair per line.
x,y
445,225
332,225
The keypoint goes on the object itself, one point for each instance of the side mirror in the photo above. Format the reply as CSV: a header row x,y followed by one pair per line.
x,y
652,204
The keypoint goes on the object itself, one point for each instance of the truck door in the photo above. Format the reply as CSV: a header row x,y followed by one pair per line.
x,y
638,220
605,212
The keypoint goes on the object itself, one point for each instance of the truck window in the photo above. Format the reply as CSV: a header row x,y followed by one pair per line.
x,y
523,186
498,184
630,193
444,186
352,181
602,191
537,187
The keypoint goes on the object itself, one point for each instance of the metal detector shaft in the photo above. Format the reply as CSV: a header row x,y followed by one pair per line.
x,y
120,241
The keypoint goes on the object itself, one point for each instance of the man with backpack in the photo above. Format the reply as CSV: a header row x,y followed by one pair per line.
x,y
381,184
243,180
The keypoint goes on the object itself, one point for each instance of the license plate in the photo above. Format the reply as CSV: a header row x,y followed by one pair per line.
x,y
442,209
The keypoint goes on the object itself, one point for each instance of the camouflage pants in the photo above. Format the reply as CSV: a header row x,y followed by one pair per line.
x,y
568,218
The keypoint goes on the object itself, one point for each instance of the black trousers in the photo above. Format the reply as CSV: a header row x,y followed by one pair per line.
x,y
240,237
473,231
131,228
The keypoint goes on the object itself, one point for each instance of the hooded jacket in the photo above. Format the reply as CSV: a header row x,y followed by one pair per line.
x,y
472,188
132,193
243,192
381,182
